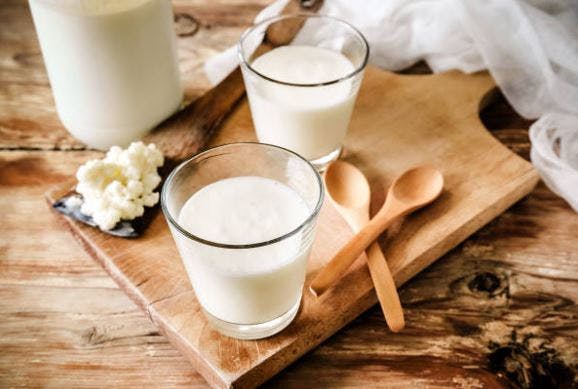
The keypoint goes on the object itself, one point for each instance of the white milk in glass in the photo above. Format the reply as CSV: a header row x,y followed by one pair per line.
x,y
112,65
245,286
310,120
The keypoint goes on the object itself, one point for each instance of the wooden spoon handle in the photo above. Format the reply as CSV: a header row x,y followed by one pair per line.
x,y
337,267
385,288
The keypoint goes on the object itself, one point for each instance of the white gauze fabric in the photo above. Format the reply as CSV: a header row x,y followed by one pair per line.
x,y
530,47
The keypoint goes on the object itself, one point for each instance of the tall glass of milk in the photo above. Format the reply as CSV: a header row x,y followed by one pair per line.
x,y
243,219
112,66
301,92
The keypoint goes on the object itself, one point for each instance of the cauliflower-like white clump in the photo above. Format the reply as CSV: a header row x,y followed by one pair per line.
x,y
119,186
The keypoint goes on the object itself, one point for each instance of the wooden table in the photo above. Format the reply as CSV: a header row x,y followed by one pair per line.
x,y
505,300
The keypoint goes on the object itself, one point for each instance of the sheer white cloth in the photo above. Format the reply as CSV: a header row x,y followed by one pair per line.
x,y
530,47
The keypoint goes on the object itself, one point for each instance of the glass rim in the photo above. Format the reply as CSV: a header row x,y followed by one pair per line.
x,y
305,15
313,214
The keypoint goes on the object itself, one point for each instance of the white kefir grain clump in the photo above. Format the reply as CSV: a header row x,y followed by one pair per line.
x,y
119,186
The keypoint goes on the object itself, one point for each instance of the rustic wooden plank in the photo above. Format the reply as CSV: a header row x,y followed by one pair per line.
x,y
41,255
45,332
216,13
534,242
83,337
64,321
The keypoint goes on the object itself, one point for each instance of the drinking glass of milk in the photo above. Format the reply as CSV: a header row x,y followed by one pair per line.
x,y
112,66
243,219
301,92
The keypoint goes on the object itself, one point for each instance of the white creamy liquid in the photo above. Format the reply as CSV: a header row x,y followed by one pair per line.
x,y
112,65
245,286
311,121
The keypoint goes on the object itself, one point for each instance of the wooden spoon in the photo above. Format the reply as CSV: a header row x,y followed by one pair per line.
x,y
349,191
414,189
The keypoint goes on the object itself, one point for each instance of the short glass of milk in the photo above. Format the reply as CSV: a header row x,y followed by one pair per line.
x,y
302,91
243,219
112,66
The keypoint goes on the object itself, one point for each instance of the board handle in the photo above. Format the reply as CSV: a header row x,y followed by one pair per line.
x,y
188,130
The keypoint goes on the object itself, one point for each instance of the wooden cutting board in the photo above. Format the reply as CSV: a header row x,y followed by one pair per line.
x,y
399,121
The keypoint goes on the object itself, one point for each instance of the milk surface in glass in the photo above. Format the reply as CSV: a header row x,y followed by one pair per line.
x,y
112,65
245,286
310,120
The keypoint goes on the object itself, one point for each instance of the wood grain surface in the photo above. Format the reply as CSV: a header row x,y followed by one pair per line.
x,y
482,178
506,297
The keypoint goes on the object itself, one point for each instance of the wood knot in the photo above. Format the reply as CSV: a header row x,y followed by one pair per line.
x,y
530,363
484,282
186,25
93,336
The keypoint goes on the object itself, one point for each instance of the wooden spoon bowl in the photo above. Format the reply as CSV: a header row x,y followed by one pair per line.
x,y
414,189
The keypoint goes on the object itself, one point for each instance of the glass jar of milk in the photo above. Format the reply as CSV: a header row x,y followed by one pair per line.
x,y
112,65
243,218
301,92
